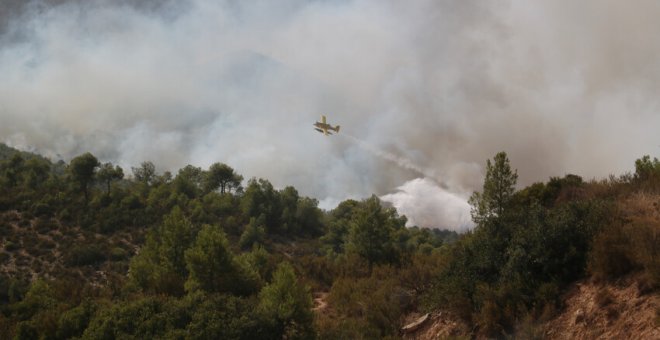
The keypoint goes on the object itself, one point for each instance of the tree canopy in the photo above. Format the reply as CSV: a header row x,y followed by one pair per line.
x,y
499,186
222,176
82,170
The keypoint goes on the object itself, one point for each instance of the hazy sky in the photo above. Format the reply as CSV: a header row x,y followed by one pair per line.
x,y
425,90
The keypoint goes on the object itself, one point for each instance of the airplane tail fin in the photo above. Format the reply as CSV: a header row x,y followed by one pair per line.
x,y
337,129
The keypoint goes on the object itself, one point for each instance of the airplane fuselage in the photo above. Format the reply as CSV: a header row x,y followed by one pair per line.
x,y
324,127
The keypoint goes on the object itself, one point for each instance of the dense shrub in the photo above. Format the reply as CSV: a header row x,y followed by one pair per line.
x,y
73,322
630,243
377,301
4,257
118,254
84,255
10,246
41,209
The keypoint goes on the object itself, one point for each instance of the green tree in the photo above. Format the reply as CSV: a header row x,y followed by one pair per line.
x,y
222,176
260,198
286,305
213,267
107,173
177,235
141,318
254,233
25,330
73,322
498,189
145,173
371,232
13,169
38,298
161,266
223,316
189,180
36,172
289,203
645,168
308,217
337,231
82,170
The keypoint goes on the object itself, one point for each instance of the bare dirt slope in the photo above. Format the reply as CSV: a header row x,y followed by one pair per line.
x,y
625,309
618,310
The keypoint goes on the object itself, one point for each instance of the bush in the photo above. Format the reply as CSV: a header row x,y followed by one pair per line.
x,y
4,257
83,255
43,225
118,254
224,317
351,328
10,246
131,202
609,257
65,215
26,331
254,232
197,316
285,305
631,244
22,260
41,209
30,242
5,228
319,269
374,301
47,244
142,319
25,222
73,322
547,299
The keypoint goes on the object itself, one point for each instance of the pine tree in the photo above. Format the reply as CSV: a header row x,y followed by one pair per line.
x,y
499,186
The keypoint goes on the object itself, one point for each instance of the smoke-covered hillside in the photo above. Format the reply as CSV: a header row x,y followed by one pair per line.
x,y
442,85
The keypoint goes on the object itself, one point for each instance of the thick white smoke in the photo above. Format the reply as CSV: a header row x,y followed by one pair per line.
x,y
425,203
430,89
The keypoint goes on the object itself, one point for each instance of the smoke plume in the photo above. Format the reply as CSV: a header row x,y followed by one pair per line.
x,y
432,87
389,156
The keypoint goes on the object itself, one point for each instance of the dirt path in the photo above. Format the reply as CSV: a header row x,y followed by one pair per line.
x,y
320,303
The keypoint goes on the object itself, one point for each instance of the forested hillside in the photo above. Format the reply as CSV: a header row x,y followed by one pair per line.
x,y
94,251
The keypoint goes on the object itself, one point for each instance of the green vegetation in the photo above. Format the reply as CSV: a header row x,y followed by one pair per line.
x,y
528,245
88,253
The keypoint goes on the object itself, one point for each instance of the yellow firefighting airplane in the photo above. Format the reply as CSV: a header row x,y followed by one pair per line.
x,y
324,127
